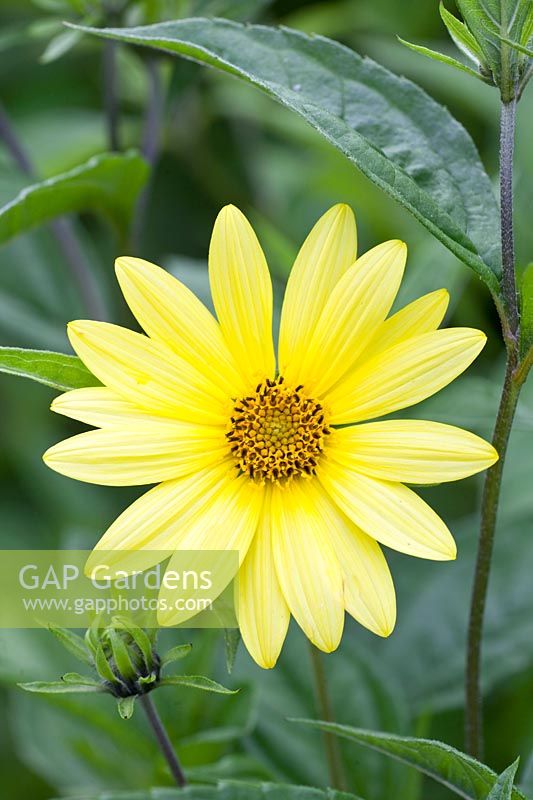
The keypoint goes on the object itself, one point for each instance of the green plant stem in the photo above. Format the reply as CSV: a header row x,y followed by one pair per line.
x,y
163,740
331,742
109,82
489,509
507,137
62,228
151,141
514,378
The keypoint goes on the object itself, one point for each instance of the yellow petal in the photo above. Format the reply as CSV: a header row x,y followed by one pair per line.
x,y
421,316
170,313
146,453
411,451
147,373
389,512
368,588
404,374
228,522
324,257
262,610
356,307
308,569
209,510
242,294
103,408
146,532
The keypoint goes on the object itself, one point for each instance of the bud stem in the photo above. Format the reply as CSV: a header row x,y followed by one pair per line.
x,y
163,739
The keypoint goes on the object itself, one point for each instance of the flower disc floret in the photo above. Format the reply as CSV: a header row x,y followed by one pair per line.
x,y
277,432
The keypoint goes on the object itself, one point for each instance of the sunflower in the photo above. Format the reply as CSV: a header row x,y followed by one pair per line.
x,y
279,463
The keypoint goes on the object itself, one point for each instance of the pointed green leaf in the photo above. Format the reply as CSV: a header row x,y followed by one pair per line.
x,y
436,56
60,687
232,639
520,47
459,772
503,788
226,790
82,680
140,638
73,643
92,638
102,665
196,682
389,128
108,184
461,35
126,706
57,370
59,45
175,654
121,655
490,21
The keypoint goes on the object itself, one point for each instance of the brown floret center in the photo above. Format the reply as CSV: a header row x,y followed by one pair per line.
x,y
277,433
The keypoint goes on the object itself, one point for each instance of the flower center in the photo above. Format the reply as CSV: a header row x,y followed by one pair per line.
x,y
277,432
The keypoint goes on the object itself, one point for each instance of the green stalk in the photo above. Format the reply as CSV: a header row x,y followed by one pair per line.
x,y
163,740
331,742
515,376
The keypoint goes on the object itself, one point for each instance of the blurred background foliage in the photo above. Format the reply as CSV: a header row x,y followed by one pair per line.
x,y
222,142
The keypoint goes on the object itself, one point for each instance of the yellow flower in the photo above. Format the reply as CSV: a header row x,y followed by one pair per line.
x,y
253,458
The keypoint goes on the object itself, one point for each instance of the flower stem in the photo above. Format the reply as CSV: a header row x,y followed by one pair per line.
x,y
151,141
507,137
489,508
163,740
331,742
109,81
514,377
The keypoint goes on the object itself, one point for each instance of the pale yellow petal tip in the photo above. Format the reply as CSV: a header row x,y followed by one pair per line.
x,y
492,456
125,264
77,327
327,644
46,457
229,211
265,661
385,628
343,210
56,404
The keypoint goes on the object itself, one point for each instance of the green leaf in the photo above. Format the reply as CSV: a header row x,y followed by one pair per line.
x,y
232,639
461,35
59,45
73,643
140,638
196,682
227,790
175,654
82,680
503,788
436,56
53,369
491,21
102,665
107,184
60,687
397,135
520,47
459,772
126,706
526,315
121,655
